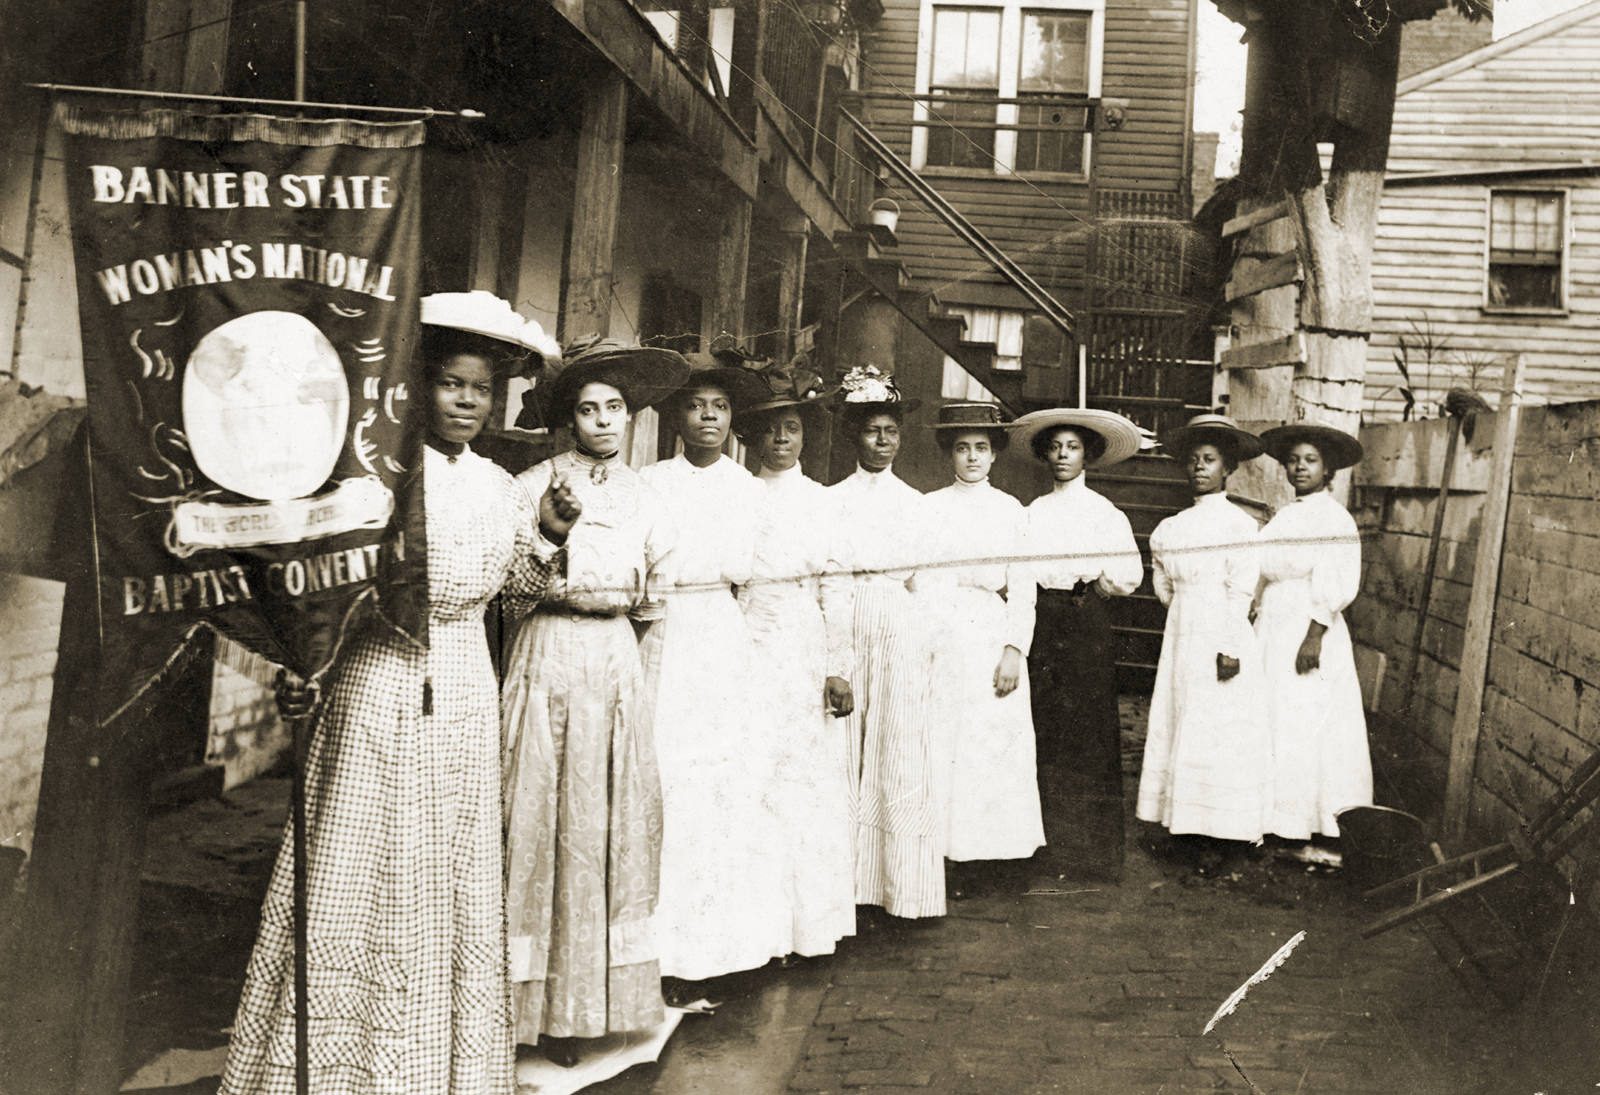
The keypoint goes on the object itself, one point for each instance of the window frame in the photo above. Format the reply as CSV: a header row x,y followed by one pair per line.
x,y
1005,141
1561,308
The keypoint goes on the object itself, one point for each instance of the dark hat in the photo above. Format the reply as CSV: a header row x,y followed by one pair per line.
x,y
1338,449
867,389
742,383
791,385
1122,438
969,416
645,375
1214,429
726,349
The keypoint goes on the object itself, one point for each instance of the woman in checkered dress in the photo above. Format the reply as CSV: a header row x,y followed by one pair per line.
x,y
407,974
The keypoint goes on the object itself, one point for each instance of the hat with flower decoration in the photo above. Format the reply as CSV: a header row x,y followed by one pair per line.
x,y
866,389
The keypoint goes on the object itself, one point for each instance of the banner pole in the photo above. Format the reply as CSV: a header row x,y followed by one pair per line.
x,y
300,49
423,112
300,730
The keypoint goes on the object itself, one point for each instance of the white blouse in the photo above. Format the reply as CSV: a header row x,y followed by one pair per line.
x,y
1210,554
1314,539
713,510
621,541
1076,535
883,530
982,543
797,543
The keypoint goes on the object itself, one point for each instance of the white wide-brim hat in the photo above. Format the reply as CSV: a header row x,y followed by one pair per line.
x,y
480,312
1121,436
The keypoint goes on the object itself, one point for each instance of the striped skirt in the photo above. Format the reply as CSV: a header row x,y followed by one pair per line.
x,y
899,855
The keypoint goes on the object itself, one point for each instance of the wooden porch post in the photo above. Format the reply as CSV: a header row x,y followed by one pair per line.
x,y
724,313
597,197
791,287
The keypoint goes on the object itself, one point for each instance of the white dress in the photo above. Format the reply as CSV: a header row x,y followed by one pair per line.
x,y
1208,756
798,606
721,907
884,537
1311,570
980,599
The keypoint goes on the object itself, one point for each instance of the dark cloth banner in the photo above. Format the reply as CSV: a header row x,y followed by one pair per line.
x,y
247,290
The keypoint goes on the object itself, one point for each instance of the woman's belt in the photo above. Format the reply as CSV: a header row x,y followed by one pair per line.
x,y
556,608
1077,593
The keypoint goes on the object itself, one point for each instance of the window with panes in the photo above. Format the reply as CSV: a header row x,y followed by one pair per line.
x,y
1527,239
966,70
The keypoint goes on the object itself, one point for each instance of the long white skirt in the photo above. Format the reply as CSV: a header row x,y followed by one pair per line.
x,y
812,757
721,906
1319,732
1208,757
899,853
985,752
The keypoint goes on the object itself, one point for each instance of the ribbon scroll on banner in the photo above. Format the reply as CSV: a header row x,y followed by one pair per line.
x,y
248,297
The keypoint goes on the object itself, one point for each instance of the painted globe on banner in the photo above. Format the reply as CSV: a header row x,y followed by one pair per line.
x,y
265,405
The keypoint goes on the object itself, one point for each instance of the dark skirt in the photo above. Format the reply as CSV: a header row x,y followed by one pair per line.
x,y
1072,669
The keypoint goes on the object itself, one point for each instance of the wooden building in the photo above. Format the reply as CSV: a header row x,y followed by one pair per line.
x,y
1488,240
1062,130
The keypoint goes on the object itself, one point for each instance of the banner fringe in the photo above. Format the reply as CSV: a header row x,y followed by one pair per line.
x,y
129,125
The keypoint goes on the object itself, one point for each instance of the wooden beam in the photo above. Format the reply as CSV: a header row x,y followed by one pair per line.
x,y
1275,273
791,291
1289,350
725,307
597,196
1256,217
1480,609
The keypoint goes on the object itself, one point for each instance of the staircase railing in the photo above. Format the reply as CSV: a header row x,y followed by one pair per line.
x,y
1037,295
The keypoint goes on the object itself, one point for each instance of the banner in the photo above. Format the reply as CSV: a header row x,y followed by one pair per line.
x,y
247,290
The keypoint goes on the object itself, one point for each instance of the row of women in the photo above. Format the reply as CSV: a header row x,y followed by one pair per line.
x,y
735,706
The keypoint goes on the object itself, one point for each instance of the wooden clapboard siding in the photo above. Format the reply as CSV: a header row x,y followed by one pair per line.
x,y
1517,106
1042,223
1428,274
1529,99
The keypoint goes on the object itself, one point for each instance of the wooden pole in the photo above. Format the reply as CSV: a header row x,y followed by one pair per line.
x,y
1480,609
1425,600
597,197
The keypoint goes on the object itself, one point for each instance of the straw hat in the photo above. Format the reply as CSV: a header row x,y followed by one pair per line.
x,y
958,418
1121,437
1215,429
480,312
645,375
1338,449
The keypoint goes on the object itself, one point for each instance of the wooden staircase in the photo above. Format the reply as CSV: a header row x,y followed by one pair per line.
x,y
1148,489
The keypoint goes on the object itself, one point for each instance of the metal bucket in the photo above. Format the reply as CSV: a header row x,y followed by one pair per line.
x,y
1380,844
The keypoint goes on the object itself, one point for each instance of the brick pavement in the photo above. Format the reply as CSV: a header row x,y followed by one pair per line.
x,y
1106,989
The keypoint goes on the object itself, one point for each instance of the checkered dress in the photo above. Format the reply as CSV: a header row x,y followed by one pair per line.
x,y
407,975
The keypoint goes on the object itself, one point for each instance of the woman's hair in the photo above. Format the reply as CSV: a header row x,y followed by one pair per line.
x,y
1224,445
998,438
440,344
1094,446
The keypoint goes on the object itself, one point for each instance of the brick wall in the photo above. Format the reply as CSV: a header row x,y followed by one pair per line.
x,y
1430,42
1542,699
30,617
246,736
